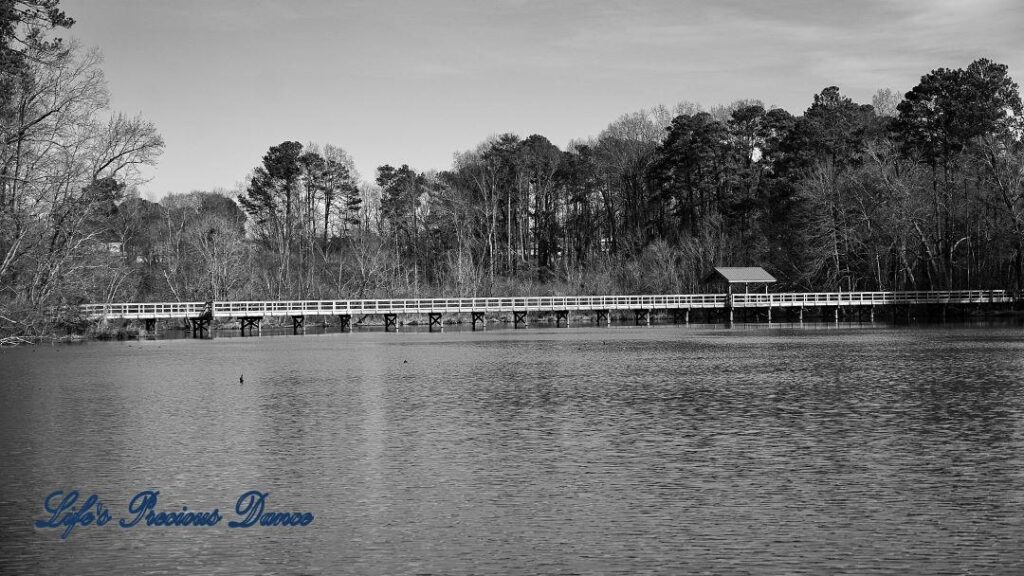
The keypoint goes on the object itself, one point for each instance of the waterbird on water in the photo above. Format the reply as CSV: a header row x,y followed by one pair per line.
x,y
241,379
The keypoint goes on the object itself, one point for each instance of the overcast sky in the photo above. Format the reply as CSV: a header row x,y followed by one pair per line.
x,y
415,81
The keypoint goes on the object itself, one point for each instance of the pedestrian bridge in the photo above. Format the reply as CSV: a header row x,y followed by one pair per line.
x,y
642,305
238,309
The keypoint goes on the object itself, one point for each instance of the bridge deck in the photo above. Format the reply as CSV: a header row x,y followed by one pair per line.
x,y
242,309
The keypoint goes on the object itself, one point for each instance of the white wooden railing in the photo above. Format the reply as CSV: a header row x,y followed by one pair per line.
x,y
531,304
869,298
454,305
143,310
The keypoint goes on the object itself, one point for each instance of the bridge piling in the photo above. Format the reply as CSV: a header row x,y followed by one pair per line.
x,y
561,315
643,315
251,322
345,321
478,317
391,322
603,317
200,327
435,321
298,325
519,318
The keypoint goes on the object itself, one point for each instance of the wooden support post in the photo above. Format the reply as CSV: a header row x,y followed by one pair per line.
x,y
150,325
435,320
769,314
391,322
687,317
801,315
200,327
604,317
345,321
837,314
478,317
561,315
519,318
250,323
298,324
642,315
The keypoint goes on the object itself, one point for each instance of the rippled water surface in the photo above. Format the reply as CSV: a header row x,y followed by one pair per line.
x,y
615,451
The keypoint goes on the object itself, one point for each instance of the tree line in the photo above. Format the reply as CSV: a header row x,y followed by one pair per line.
x,y
920,191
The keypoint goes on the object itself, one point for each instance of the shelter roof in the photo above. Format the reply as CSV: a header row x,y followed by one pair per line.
x,y
748,275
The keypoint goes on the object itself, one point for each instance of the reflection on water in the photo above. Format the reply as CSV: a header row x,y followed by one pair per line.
x,y
666,449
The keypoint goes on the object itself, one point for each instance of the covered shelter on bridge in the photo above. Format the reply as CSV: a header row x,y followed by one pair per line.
x,y
728,279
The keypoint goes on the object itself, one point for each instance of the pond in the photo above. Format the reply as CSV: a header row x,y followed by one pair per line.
x,y
665,449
